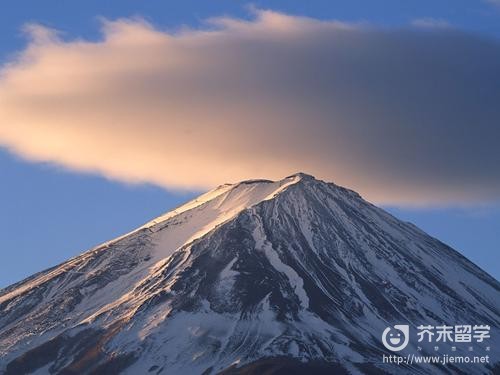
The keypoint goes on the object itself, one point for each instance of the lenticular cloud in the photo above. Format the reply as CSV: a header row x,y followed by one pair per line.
x,y
403,116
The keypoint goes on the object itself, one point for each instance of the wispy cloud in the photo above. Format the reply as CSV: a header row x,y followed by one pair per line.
x,y
431,23
401,116
493,2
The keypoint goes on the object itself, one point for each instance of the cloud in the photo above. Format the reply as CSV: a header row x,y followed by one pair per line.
x,y
430,23
493,2
402,116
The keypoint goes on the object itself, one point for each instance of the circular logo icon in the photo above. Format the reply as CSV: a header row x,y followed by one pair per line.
x,y
396,338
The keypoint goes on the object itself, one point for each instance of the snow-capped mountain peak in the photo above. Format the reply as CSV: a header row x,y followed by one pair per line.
x,y
297,268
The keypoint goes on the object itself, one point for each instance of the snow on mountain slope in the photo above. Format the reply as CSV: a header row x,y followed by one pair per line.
x,y
297,268
192,220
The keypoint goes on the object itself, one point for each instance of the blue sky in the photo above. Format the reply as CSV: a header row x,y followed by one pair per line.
x,y
49,213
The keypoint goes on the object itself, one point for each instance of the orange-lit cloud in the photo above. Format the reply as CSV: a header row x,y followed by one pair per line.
x,y
402,116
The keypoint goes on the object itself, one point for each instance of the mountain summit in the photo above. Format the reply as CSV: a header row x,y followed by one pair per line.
x,y
280,276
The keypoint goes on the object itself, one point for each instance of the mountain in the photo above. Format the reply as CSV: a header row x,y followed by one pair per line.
x,y
259,277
